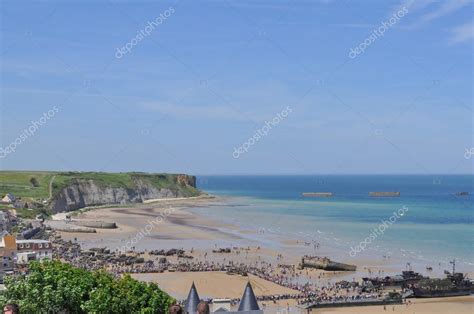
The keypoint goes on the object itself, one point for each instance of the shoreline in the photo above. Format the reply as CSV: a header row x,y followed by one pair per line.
x,y
186,229
187,223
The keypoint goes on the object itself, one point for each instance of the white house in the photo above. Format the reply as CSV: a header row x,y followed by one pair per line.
x,y
25,257
41,249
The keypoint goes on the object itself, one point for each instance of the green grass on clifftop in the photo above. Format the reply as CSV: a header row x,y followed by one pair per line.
x,y
19,182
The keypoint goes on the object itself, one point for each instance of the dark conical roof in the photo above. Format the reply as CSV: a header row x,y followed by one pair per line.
x,y
249,301
192,301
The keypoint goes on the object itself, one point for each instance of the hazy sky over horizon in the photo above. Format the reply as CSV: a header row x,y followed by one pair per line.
x,y
210,74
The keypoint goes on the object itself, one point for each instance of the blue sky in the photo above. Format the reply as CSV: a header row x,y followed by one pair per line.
x,y
206,78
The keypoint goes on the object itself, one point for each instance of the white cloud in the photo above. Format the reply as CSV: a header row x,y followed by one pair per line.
x,y
447,7
197,112
463,33
428,11
414,5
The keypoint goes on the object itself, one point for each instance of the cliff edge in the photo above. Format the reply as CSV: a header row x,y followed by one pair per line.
x,y
82,192
67,191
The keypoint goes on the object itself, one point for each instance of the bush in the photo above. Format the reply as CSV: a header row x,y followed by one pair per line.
x,y
34,182
53,287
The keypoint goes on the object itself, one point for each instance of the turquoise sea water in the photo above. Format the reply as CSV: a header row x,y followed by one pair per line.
x,y
437,227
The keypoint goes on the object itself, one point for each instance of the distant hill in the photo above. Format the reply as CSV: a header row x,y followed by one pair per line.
x,y
65,191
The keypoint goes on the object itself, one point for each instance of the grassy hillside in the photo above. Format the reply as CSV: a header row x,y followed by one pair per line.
x,y
19,182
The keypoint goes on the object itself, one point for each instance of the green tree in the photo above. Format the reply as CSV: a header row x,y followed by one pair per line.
x,y
34,182
54,287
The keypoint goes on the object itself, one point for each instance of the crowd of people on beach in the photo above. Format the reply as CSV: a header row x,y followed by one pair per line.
x,y
284,275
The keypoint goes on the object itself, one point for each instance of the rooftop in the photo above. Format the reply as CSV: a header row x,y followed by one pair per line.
x,y
31,241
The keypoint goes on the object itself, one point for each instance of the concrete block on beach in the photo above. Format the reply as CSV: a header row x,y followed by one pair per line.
x,y
75,229
95,224
66,226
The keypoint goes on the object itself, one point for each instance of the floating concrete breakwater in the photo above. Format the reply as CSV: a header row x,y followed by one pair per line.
x,y
317,194
384,194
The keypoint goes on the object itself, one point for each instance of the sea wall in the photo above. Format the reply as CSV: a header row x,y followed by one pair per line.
x,y
95,224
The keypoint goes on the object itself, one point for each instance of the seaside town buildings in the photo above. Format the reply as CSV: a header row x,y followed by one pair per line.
x,y
7,252
4,222
38,250
13,251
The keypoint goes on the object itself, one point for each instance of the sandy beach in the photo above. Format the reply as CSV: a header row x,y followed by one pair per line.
x,y
210,284
168,224
455,305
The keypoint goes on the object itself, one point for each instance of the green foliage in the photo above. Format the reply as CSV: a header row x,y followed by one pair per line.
x,y
53,287
34,182
31,213
18,183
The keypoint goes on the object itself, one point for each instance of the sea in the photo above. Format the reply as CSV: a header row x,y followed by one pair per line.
x,y
429,224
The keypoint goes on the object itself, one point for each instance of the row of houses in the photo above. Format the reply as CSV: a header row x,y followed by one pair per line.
x,y
13,251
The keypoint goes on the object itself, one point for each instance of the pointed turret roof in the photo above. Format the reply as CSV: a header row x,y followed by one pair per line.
x,y
192,301
249,301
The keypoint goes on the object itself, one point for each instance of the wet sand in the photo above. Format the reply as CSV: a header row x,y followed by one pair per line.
x,y
169,225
